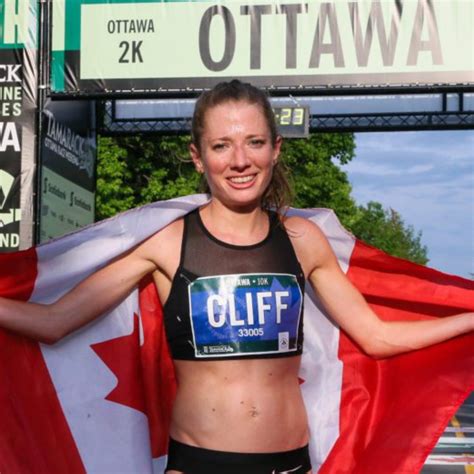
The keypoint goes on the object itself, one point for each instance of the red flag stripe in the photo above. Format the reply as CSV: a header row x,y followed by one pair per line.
x,y
157,366
32,421
393,410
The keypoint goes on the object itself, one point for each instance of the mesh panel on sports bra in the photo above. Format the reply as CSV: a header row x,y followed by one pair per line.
x,y
209,256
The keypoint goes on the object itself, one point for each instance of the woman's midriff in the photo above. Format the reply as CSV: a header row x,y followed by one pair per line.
x,y
241,405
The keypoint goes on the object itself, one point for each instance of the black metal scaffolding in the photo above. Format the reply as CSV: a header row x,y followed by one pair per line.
x,y
356,113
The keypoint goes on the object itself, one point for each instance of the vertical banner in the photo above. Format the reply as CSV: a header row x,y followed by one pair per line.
x,y
68,157
18,92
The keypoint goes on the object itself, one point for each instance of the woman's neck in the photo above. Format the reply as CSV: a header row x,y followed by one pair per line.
x,y
237,226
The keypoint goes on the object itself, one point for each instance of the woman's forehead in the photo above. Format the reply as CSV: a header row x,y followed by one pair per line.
x,y
235,117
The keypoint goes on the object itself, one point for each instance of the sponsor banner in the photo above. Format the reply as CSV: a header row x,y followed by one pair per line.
x,y
18,84
68,156
251,313
186,45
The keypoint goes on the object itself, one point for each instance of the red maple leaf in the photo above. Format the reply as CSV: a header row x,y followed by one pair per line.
x,y
145,374
122,357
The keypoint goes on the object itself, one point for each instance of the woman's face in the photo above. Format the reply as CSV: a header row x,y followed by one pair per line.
x,y
236,153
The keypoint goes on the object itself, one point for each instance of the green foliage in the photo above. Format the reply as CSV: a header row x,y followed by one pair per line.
x,y
385,229
316,179
319,182
138,169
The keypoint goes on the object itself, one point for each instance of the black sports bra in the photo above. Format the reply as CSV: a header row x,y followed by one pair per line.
x,y
229,301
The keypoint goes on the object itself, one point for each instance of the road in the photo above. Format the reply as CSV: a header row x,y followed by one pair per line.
x,y
454,452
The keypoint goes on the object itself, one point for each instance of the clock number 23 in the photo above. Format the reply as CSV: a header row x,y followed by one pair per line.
x,y
292,116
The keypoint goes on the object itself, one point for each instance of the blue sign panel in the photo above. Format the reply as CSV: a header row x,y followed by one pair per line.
x,y
254,313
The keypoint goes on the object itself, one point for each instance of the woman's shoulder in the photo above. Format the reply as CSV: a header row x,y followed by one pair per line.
x,y
302,229
310,244
165,243
171,234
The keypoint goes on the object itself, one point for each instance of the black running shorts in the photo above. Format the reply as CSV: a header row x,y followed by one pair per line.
x,y
193,460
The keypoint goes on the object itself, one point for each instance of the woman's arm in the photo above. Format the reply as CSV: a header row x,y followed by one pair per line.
x,y
378,338
348,308
88,300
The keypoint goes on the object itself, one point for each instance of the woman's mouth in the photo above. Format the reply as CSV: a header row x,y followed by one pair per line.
x,y
242,179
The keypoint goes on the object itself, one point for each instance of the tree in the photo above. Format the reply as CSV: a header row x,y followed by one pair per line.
x,y
135,170
316,179
386,230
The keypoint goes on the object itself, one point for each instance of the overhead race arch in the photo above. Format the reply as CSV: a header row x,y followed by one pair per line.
x,y
184,46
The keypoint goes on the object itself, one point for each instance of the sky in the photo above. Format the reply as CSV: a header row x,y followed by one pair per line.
x,y
428,177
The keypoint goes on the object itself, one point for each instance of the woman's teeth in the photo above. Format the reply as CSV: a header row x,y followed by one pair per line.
x,y
242,179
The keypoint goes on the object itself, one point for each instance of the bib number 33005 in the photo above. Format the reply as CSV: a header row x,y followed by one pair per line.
x,y
250,332
245,314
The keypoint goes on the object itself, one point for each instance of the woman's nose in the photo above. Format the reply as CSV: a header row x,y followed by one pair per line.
x,y
240,159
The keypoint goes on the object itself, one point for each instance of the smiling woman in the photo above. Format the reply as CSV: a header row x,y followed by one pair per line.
x,y
232,276
254,106
236,153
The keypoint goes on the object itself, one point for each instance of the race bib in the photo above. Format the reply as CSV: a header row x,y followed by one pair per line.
x,y
252,313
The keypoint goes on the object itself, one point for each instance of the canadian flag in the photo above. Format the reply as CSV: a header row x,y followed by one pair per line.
x,y
99,401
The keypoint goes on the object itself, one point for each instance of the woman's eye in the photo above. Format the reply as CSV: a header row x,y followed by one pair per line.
x,y
257,142
218,146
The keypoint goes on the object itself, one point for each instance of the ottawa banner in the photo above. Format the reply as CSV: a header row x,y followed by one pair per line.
x,y
174,46
18,92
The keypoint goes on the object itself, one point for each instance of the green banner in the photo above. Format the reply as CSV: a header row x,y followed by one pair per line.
x,y
118,46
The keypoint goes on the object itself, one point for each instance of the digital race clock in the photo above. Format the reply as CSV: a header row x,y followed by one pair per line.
x,y
292,121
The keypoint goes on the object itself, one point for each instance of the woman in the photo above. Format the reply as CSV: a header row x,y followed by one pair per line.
x,y
232,276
